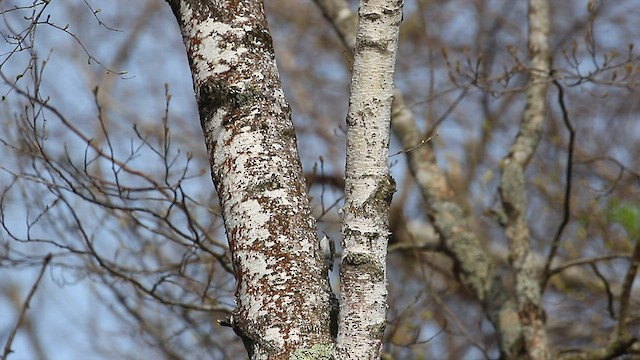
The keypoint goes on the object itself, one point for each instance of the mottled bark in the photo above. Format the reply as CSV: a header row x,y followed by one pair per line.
x,y
512,184
368,185
283,299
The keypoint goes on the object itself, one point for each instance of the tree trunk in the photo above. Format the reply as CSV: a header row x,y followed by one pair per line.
x,y
512,185
368,184
283,299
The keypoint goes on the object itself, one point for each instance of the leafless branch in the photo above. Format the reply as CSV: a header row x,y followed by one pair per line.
x,y
566,214
25,306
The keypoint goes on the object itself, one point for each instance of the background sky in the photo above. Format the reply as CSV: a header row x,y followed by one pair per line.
x,y
132,53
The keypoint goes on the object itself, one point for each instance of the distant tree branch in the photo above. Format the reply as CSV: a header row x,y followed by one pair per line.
x,y
25,306
566,214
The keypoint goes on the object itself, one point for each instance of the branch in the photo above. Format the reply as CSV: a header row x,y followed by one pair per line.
x,y
621,341
25,306
512,184
546,274
622,329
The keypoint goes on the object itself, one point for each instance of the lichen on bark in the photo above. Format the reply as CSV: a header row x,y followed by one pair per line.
x,y
258,176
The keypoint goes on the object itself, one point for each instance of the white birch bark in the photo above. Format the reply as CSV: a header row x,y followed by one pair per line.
x,y
368,184
283,299
512,185
472,263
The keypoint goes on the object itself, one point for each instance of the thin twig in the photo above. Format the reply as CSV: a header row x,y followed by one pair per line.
x,y
25,306
607,288
567,187
422,142
586,261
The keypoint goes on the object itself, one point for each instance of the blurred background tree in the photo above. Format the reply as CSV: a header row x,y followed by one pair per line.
x,y
104,167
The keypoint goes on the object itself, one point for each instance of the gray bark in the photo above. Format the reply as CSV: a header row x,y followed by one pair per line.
x,y
512,184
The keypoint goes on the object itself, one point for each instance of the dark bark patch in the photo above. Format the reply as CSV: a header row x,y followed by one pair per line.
x,y
366,264
530,313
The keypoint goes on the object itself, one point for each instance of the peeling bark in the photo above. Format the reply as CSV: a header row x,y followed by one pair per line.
x,y
512,185
283,299
368,185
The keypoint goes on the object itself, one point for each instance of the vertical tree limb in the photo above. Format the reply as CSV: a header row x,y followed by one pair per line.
x,y
369,186
512,184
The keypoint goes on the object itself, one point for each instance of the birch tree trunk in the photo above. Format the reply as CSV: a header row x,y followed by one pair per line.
x,y
474,265
512,185
283,299
369,186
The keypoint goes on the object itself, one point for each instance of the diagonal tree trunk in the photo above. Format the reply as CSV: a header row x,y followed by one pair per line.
x,y
368,184
283,294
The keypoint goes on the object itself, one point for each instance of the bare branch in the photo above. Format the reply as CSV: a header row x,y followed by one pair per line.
x,y
567,188
25,306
